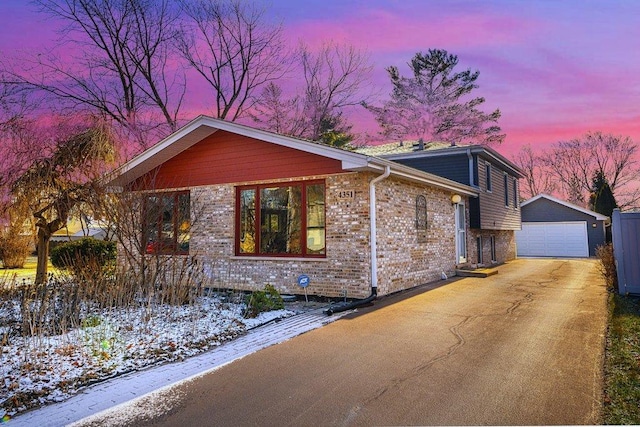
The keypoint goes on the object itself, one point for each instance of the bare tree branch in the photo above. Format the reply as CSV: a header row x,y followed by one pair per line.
x,y
234,48
335,77
537,178
120,69
575,163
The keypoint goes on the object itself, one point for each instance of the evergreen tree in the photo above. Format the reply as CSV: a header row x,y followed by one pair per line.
x,y
435,103
601,199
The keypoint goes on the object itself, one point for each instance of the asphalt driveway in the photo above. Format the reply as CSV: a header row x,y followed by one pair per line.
x,y
522,347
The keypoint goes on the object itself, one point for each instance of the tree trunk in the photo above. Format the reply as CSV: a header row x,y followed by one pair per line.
x,y
43,256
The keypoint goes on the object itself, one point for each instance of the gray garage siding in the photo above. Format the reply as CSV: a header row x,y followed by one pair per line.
x,y
544,210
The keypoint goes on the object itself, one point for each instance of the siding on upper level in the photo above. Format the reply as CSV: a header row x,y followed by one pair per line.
x,y
491,210
454,167
494,213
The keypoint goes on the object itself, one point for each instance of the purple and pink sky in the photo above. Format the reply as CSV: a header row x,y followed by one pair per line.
x,y
556,69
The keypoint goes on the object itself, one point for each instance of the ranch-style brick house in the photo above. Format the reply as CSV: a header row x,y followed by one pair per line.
x,y
271,208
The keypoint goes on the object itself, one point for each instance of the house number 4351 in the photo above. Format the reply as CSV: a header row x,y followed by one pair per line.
x,y
346,194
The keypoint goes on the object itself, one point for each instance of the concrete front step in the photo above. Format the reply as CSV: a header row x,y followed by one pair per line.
x,y
478,272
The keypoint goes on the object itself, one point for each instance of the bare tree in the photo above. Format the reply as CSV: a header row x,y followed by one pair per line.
x,y
276,113
59,180
231,44
574,163
431,103
121,69
335,77
537,177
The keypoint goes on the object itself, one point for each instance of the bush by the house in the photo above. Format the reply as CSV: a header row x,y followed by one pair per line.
x,y
14,249
607,266
83,253
265,300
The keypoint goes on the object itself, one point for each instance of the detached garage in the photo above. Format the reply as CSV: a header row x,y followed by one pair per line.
x,y
555,228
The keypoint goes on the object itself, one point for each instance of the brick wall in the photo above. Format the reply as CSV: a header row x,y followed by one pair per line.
x,y
407,257
344,270
505,241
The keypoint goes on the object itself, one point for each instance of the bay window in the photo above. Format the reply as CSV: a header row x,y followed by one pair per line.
x,y
285,219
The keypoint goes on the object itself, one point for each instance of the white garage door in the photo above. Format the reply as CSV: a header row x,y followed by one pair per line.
x,y
553,239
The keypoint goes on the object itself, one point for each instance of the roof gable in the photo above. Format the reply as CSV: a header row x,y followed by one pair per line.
x,y
225,157
596,215
203,127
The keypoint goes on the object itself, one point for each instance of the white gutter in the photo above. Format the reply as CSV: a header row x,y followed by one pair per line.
x,y
373,227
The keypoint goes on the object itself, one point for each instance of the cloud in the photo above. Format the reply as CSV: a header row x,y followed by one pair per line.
x,y
427,25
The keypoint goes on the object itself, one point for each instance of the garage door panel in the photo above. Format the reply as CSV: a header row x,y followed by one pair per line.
x,y
557,239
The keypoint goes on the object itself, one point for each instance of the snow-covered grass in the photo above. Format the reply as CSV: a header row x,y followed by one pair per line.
x,y
37,370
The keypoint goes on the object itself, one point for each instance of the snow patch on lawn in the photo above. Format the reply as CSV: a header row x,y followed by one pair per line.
x,y
40,370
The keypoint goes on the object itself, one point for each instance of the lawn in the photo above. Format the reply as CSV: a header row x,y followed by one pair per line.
x,y
27,272
622,362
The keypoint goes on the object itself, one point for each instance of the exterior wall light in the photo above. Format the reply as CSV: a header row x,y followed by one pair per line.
x,y
455,199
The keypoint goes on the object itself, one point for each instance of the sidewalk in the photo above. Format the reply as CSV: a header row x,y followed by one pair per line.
x,y
108,394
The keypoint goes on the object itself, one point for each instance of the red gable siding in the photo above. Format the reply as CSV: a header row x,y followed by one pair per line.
x,y
225,157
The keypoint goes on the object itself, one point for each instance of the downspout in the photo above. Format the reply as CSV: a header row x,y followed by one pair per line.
x,y
471,181
374,251
373,228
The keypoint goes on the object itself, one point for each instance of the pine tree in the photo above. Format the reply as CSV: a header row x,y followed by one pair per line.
x,y
602,199
435,103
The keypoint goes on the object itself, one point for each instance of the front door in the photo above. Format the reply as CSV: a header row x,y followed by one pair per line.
x,y
461,234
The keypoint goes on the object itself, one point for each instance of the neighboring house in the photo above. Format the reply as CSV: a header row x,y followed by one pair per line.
x,y
554,228
494,216
263,208
76,230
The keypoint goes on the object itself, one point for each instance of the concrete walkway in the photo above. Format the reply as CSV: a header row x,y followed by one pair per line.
x,y
122,389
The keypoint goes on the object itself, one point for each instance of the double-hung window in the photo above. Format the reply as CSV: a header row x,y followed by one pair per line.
x,y
167,223
487,169
506,190
286,219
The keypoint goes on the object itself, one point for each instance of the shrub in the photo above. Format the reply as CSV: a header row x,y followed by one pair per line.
x,y
261,301
607,265
82,253
14,249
